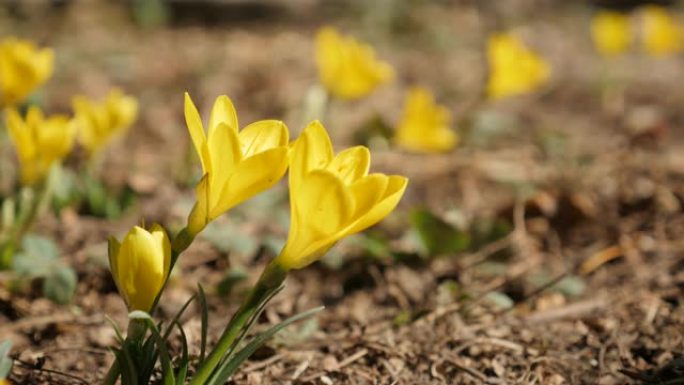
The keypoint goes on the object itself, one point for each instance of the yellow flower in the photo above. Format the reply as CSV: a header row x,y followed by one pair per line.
x,y
140,265
23,67
236,165
332,197
347,67
661,34
514,68
611,32
39,141
99,123
425,126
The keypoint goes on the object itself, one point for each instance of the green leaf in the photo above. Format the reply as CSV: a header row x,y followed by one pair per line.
x,y
167,368
437,236
38,258
230,279
228,367
60,285
5,360
204,310
183,365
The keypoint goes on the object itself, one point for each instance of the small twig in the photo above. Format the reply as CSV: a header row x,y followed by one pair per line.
x,y
352,358
262,364
50,371
574,310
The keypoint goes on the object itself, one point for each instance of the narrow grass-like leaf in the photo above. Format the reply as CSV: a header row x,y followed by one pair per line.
x,y
117,330
167,369
227,368
183,365
5,360
175,319
204,311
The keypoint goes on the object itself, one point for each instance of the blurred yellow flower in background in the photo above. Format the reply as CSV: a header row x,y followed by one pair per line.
x,y
140,265
661,34
513,68
39,141
347,67
236,165
23,68
332,197
611,32
100,122
425,125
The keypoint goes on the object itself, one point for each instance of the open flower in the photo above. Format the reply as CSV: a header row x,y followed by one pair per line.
x,y
611,32
101,122
236,164
347,67
513,68
23,68
140,265
332,197
425,126
662,35
39,141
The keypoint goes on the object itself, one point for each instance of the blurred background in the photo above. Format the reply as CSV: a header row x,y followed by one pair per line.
x,y
543,243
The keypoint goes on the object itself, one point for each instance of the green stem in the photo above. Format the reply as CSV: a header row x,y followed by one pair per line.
x,y
270,281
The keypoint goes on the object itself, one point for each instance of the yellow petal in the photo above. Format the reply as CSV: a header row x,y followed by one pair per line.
x,y
367,192
223,112
252,176
224,155
611,32
261,136
194,123
199,216
351,164
310,151
162,239
140,268
20,134
321,207
396,186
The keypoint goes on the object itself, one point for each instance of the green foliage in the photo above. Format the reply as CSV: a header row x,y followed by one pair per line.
x,y
102,202
437,236
5,360
39,258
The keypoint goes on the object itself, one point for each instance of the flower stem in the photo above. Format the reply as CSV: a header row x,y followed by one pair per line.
x,y
270,281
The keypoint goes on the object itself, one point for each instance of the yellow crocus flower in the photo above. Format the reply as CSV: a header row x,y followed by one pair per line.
x,y
661,34
39,141
513,68
101,122
140,265
425,126
331,196
236,164
23,68
347,67
611,32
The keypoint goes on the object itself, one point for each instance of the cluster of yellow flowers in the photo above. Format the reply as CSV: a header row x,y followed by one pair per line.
x,y
331,196
348,69
41,141
660,33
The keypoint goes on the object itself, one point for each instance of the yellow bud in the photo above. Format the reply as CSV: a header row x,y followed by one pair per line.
x,y
100,122
237,164
23,68
140,265
611,32
513,68
39,141
662,35
347,67
425,126
332,196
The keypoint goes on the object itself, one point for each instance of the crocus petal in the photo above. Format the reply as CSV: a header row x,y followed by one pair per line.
x,y
261,136
311,150
351,164
223,112
162,239
199,216
396,186
320,209
224,154
194,123
253,175
368,192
